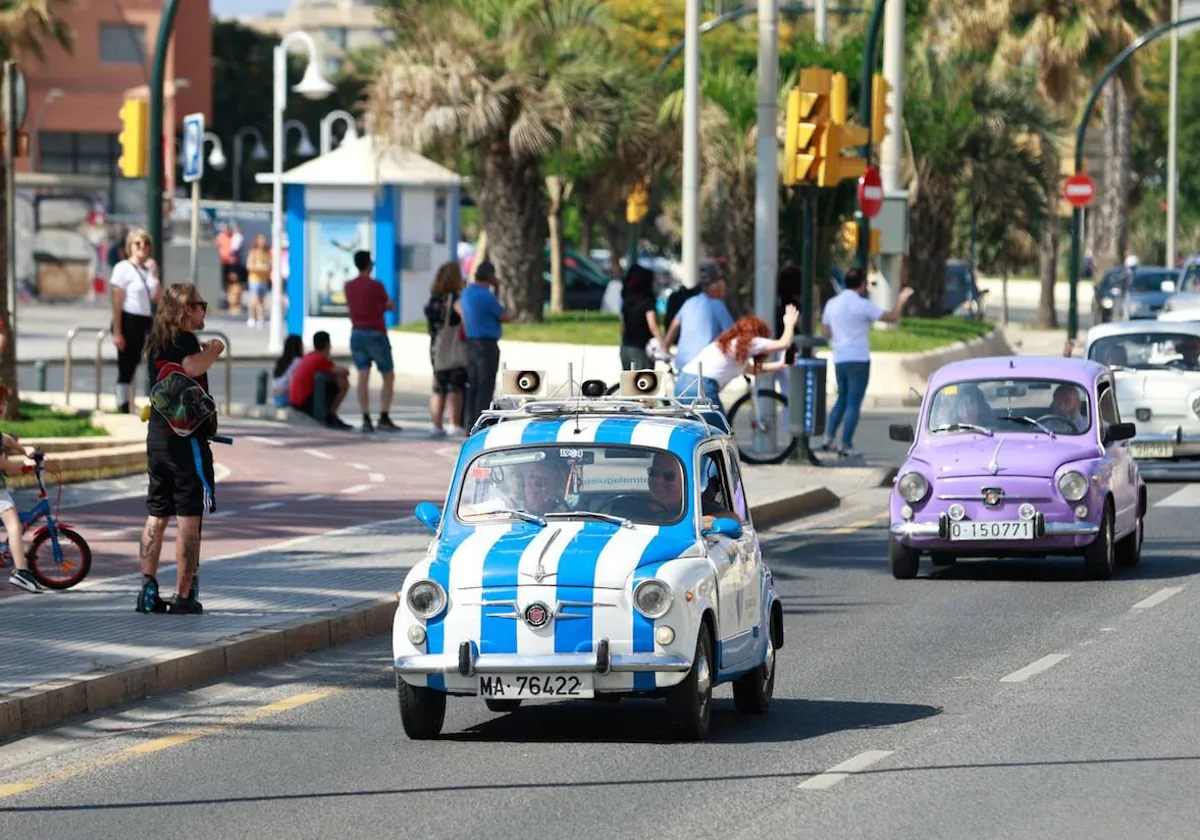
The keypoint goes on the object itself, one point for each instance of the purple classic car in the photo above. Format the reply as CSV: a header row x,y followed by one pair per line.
x,y
1018,456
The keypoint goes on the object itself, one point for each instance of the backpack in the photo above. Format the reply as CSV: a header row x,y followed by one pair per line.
x,y
188,409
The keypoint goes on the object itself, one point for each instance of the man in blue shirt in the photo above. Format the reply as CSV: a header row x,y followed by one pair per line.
x,y
700,320
482,315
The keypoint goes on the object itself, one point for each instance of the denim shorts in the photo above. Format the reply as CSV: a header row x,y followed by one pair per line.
x,y
260,289
368,346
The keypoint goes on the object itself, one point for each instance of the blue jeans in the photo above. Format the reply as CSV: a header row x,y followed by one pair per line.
x,y
686,389
851,387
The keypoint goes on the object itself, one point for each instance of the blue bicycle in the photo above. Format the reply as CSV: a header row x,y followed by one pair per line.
x,y
58,556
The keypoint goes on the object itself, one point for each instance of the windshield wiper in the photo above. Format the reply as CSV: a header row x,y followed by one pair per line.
x,y
606,517
1020,418
520,514
958,427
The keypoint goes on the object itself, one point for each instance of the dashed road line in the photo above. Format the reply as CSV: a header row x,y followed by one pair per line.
x,y
1157,598
265,440
1188,497
311,497
266,505
378,478
113,534
1034,668
357,488
222,514
317,453
860,762
354,465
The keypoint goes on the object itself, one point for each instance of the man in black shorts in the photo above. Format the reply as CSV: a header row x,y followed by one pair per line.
x,y
180,468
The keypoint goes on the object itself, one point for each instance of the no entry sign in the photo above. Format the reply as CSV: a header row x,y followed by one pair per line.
x,y
1079,190
870,192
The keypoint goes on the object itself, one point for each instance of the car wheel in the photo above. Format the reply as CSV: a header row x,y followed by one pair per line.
x,y
495,705
753,690
689,704
422,710
1099,557
905,561
941,558
1129,550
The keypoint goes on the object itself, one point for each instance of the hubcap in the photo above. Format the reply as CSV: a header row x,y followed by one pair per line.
x,y
1108,543
769,662
703,683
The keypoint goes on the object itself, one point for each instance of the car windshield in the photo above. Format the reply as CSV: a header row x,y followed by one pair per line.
x,y
1191,278
619,484
1010,406
1148,351
1151,280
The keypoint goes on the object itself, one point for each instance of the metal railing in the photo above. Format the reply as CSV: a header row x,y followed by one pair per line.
x,y
228,368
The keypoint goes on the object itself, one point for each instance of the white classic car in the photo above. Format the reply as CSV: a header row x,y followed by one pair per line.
x,y
1156,365
1184,305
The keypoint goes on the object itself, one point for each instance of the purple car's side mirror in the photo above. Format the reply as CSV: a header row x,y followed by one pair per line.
x,y
1119,431
902,432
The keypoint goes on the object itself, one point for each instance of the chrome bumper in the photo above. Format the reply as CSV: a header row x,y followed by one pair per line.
x,y
1052,529
469,662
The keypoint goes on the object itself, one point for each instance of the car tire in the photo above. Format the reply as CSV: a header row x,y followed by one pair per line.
x,y
905,561
753,690
1099,558
501,706
422,710
689,704
942,558
1129,550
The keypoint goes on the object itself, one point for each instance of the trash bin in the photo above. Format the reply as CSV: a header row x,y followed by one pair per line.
x,y
806,397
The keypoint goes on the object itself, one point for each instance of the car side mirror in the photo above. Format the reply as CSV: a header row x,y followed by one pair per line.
x,y
902,432
429,514
1119,431
725,526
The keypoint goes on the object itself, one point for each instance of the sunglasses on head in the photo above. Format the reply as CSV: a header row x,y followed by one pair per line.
x,y
665,475
203,304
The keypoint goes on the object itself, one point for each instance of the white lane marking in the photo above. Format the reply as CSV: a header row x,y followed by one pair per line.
x,y
357,488
1187,497
357,466
1106,629
317,453
376,477
266,505
265,440
1157,598
833,775
113,534
221,514
311,497
1033,668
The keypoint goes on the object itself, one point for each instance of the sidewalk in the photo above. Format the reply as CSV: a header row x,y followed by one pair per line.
x,y
85,650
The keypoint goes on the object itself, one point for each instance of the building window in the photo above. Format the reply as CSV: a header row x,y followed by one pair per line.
x,y
122,43
335,36
77,153
386,36
333,66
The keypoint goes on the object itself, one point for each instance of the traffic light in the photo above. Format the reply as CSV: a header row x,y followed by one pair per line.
x,y
850,232
133,138
840,134
807,119
879,108
638,204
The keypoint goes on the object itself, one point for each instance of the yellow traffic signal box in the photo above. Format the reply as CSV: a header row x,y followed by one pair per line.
x,y
133,138
841,134
638,204
850,238
879,108
807,119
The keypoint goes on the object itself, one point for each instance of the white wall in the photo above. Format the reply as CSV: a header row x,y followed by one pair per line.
x,y
415,211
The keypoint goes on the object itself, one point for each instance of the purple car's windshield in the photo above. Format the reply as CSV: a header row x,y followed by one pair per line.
x,y
1010,406
1148,351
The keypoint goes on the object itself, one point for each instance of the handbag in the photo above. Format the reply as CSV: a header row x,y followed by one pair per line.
x,y
146,286
449,351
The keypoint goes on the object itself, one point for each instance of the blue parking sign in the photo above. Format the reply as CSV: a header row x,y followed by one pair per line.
x,y
193,147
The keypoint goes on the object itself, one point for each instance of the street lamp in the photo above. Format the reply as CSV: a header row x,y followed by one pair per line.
x,y
327,129
305,147
260,153
312,86
51,95
216,158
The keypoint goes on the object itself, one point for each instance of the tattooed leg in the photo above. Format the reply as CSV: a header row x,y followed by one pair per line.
x,y
151,544
187,553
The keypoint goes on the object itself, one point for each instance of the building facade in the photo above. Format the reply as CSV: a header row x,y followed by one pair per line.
x,y
338,26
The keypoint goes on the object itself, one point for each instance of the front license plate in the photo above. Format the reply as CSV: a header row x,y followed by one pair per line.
x,y
551,686
1022,530
1153,450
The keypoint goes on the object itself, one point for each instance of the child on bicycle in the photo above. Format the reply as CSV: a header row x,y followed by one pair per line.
x,y
21,577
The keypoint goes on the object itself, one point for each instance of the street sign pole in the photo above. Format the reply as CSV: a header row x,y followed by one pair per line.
x,y
10,212
193,171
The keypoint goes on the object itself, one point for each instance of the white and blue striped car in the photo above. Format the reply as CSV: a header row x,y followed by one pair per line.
x,y
588,548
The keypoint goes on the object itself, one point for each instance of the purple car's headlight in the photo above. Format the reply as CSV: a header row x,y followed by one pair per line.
x,y
912,487
1073,485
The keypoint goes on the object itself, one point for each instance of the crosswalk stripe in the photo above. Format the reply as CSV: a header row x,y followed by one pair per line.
x,y
1189,496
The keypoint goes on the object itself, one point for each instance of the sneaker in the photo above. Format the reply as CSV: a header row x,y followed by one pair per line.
x,y
437,432
24,579
335,422
148,600
184,606
385,423
850,452
366,424
455,431
829,446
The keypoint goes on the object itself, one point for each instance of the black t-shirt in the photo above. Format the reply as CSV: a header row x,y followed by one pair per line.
x,y
635,331
186,344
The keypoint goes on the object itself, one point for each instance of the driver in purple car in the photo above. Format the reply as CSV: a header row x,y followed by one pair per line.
x,y
1068,406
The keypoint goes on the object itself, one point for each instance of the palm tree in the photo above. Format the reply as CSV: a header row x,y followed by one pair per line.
x,y
508,82
25,26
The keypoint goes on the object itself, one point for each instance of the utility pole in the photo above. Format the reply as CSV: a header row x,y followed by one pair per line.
x,y
155,177
821,20
766,187
691,144
1173,138
891,152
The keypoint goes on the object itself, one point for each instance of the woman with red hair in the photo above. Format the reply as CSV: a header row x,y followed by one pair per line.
x,y
744,346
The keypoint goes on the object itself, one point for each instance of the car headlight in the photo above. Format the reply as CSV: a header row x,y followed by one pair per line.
x,y
912,487
1196,406
426,598
1107,303
653,598
1073,485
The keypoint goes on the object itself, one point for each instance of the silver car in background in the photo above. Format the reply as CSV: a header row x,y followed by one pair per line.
x,y
1156,366
1184,305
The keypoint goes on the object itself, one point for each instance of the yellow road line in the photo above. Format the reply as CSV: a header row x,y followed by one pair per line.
x,y
857,526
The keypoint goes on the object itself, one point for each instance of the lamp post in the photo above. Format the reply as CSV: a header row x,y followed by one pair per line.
x,y
312,86
260,153
216,158
51,95
327,129
305,147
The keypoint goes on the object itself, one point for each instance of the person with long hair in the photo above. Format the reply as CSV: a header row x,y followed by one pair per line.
x,y
285,366
639,321
449,383
180,468
135,292
744,346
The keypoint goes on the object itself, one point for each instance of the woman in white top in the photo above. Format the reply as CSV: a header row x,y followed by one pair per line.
x,y
136,291
743,346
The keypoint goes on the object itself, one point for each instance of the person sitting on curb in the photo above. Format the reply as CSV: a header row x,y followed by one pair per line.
x,y
21,577
302,389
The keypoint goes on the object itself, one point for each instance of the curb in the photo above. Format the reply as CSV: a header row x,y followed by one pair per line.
x,y
50,703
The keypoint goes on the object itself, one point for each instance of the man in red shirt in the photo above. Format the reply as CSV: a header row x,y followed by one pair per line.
x,y
368,303
337,384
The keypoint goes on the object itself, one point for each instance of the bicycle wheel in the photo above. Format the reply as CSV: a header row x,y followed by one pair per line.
x,y
62,571
761,432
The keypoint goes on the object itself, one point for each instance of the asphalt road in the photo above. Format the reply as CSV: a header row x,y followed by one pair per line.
x,y
938,691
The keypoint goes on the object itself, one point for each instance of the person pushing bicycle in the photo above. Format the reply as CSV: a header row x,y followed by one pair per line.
x,y
21,577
